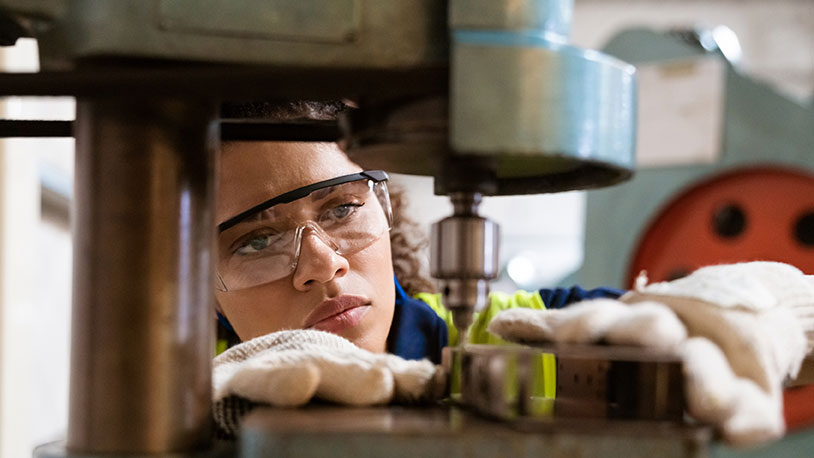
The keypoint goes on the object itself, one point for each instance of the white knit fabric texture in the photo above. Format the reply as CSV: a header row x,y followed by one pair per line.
x,y
751,326
592,321
289,368
758,313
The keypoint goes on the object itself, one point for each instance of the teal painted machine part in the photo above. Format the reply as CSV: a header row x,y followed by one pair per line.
x,y
560,116
550,17
569,102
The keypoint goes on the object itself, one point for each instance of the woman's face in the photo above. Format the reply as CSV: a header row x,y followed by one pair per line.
x,y
352,296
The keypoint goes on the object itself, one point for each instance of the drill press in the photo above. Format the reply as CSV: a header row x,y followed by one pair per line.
x,y
484,95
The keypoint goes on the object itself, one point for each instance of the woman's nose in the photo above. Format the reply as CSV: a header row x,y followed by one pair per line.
x,y
318,262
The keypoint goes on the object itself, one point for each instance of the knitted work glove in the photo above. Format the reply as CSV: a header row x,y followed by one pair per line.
x,y
289,368
751,324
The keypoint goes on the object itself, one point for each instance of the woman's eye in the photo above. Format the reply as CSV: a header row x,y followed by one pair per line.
x,y
255,244
343,211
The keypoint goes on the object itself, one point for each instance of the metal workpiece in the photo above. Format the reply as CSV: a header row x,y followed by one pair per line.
x,y
304,33
592,381
143,320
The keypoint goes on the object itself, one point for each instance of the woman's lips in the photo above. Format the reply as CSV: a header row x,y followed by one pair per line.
x,y
341,321
337,314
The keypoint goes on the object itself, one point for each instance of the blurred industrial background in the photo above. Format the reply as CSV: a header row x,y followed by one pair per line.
x,y
544,237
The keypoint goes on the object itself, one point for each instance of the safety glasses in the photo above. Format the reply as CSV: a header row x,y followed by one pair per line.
x,y
264,243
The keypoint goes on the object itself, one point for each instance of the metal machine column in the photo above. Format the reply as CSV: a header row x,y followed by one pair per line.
x,y
143,328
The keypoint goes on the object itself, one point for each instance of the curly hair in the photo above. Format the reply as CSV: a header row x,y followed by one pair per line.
x,y
283,112
408,246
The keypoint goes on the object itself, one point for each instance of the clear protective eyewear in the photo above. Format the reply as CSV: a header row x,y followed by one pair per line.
x,y
263,243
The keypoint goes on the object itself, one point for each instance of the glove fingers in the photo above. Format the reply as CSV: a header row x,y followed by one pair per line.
x,y
589,321
348,380
761,314
221,376
584,322
647,324
415,381
746,414
285,385
524,325
758,417
733,330
708,381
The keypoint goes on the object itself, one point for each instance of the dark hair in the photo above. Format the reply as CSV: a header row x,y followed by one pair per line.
x,y
289,111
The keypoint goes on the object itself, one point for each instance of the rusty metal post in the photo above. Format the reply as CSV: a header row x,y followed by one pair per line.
x,y
143,328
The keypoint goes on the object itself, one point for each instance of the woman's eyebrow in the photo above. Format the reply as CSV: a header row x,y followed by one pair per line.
x,y
253,219
321,193
266,214
356,186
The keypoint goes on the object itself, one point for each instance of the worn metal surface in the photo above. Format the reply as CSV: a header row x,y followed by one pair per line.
x,y
58,450
310,33
143,320
593,381
319,21
452,433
